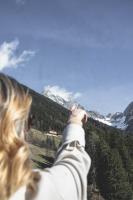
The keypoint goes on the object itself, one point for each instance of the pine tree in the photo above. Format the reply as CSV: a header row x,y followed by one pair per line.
x,y
127,162
112,177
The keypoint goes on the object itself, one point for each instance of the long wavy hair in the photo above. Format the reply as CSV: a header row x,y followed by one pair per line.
x,y
15,164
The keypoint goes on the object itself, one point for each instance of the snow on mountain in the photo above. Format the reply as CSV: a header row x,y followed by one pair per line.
x,y
116,120
67,99
61,96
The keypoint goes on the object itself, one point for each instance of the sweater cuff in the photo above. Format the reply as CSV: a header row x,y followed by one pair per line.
x,y
74,132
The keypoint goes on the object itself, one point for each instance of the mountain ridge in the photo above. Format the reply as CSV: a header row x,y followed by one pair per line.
x,y
121,120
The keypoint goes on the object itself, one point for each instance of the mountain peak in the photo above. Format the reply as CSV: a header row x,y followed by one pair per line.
x,y
66,99
61,96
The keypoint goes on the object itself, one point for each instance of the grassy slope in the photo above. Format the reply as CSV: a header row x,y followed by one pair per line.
x,y
43,148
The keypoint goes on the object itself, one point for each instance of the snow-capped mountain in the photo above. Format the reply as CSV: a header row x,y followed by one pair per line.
x,y
117,119
66,102
129,117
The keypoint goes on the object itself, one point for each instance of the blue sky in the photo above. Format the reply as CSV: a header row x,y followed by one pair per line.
x,y
83,46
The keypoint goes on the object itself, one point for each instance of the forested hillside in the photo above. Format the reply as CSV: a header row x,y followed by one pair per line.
x,y
110,149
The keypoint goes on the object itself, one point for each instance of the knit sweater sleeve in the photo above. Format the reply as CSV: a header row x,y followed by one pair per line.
x,y
71,166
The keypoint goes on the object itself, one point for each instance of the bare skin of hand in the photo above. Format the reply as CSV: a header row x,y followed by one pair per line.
x,y
78,116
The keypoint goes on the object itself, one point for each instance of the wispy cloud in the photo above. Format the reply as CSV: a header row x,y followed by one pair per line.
x,y
61,92
20,2
80,38
9,57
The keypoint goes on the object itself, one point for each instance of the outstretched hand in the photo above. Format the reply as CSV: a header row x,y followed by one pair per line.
x,y
78,116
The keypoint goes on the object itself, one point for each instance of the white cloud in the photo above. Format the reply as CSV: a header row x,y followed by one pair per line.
x,y
9,57
61,92
20,2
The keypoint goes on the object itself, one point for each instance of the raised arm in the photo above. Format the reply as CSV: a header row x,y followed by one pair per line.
x,y
67,178
72,163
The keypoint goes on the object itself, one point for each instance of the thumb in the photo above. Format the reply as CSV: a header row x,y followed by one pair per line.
x,y
85,118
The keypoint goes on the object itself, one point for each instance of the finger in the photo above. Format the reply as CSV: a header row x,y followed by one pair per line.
x,y
73,107
86,118
87,115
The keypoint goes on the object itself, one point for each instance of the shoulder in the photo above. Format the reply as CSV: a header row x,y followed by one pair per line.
x,y
19,194
45,186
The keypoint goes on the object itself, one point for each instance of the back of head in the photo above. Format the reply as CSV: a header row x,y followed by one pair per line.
x,y
15,166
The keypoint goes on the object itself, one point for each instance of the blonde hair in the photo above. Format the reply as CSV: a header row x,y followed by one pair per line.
x,y
15,165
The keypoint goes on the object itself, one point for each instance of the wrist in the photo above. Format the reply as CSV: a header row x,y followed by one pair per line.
x,y
74,132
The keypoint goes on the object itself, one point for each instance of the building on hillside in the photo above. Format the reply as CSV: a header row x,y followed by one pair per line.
x,y
53,132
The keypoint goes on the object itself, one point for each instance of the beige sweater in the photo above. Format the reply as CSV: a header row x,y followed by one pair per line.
x,y
67,178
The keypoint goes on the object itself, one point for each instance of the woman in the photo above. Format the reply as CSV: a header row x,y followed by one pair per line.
x,y
65,180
